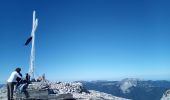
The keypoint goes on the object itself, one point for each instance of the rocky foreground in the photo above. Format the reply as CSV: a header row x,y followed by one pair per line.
x,y
166,95
60,91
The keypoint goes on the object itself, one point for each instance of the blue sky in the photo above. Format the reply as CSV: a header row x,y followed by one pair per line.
x,y
87,39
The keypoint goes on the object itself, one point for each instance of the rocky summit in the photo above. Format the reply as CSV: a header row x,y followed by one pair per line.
x,y
166,95
58,91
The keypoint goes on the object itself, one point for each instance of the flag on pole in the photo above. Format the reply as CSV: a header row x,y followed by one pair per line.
x,y
28,41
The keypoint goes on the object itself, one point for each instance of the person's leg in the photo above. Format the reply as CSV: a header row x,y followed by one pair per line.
x,y
8,91
16,87
25,91
11,89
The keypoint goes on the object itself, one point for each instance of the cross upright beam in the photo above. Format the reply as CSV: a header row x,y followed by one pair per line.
x,y
32,56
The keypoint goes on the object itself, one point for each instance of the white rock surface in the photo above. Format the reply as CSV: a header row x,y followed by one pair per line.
x,y
3,93
166,95
95,95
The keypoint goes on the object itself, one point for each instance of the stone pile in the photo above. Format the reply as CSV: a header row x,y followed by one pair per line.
x,y
62,87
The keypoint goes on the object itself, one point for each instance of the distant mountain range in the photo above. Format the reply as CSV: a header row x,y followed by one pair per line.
x,y
1,85
134,89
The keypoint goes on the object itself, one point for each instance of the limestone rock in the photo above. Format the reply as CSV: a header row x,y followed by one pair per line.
x,y
166,95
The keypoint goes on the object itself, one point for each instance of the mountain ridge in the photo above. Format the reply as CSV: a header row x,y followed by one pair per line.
x,y
131,88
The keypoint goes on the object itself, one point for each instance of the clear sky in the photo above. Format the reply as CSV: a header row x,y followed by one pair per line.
x,y
87,39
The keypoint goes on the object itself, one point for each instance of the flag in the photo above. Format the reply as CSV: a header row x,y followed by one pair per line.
x,y
28,41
